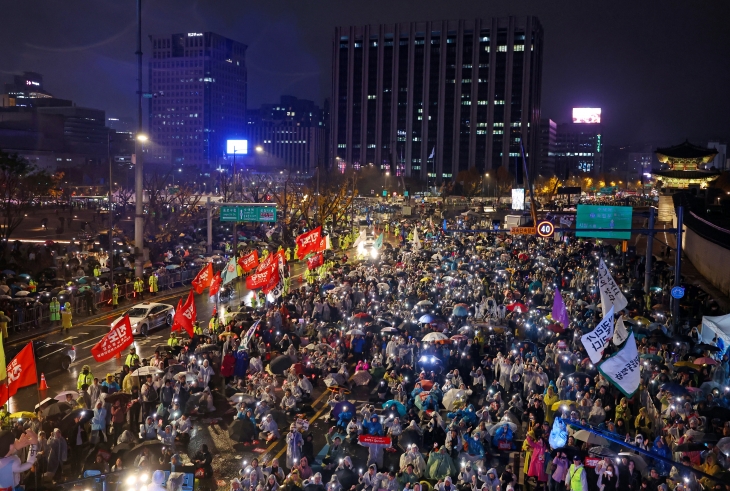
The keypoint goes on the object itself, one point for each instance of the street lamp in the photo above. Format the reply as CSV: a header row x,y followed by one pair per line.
x,y
259,148
140,139
486,177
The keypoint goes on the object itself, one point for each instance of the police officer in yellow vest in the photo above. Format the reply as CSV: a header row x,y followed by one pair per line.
x,y
575,479
66,317
4,319
287,285
213,325
287,254
296,252
197,330
97,271
115,296
132,358
139,288
173,342
254,301
153,284
85,377
55,309
32,286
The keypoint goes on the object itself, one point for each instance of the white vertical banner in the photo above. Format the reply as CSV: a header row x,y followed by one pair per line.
x,y
623,368
620,333
610,292
595,341
416,240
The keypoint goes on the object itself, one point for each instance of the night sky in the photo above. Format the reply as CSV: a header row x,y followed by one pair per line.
x,y
659,69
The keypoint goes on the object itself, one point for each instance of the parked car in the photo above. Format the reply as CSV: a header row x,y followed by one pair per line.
x,y
49,356
147,316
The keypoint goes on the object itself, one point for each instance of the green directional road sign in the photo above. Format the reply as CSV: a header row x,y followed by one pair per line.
x,y
245,213
603,217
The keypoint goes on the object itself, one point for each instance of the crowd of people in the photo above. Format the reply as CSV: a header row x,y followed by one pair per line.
x,y
451,341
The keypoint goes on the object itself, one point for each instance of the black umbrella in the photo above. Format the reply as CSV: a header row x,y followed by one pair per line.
x,y
154,446
206,348
691,447
241,430
347,478
56,410
707,347
569,451
122,397
280,363
120,449
410,437
70,419
719,412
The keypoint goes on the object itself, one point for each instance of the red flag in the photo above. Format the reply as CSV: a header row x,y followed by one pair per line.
x,y
308,242
260,278
273,281
249,261
175,325
270,259
315,261
322,246
216,284
119,337
21,373
203,279
185,315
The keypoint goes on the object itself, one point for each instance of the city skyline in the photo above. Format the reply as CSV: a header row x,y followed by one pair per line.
x,y
621,57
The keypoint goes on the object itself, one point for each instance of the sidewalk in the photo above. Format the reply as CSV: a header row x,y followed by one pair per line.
x,y
80,320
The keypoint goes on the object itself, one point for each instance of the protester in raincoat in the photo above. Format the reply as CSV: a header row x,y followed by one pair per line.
x,y
294,442
440,465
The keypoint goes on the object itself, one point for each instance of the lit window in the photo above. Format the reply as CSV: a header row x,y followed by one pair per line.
x,y
519,47
486,48
466,103
502,48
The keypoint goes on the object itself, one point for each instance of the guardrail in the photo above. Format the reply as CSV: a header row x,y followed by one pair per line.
x,y
25,317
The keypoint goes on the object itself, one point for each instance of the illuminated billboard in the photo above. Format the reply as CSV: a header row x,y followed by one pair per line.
x,y
236,146
518,199
603,217
586,115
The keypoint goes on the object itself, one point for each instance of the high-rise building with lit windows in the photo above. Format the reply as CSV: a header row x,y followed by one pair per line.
x,y
437,97
198,94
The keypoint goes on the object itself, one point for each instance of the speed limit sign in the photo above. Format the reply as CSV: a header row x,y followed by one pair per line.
x,y
545,229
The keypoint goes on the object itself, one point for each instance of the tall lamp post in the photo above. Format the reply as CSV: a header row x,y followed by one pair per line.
x,y
139,205
110,261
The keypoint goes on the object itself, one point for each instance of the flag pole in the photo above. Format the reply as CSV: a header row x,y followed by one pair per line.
x,y
37,378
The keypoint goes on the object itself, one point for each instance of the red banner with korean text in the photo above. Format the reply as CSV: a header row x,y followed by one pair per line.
x,y
260,278
249,261
216,284
185,315
203,279
308,242
315,261
21,373
115,341
274,279
270,260
378,440
322,244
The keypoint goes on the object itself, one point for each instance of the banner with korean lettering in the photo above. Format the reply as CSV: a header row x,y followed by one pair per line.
x,y
315,261
270,260
623,368
260,278
611,294
274,280
308,242
119,337
21,373
203,279
249,261
595,341
185,315
215,285
620,333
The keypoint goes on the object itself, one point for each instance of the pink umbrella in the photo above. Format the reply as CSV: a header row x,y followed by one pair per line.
x,y
520,307
705,361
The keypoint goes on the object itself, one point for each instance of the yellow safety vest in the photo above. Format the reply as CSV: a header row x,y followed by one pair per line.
x,y
575,478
